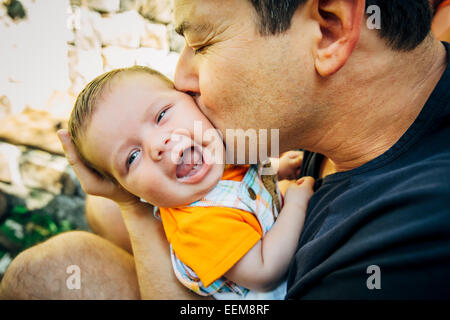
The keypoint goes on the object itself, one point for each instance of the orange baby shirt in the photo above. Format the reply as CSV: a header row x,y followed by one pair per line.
x,y
443,4
210,240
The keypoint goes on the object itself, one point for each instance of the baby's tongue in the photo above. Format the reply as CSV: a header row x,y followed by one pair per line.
x,y
190,158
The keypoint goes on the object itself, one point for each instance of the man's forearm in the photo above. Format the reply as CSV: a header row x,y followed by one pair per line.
x,y
151,254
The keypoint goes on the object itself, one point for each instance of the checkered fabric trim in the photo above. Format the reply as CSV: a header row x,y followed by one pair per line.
x,y
248,195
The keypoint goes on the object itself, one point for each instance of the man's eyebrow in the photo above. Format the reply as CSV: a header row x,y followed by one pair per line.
x,y
181,28
186,26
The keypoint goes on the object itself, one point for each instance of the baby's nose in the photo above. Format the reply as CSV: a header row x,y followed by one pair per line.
x,y
158,149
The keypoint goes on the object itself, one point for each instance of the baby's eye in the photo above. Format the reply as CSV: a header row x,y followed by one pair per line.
x,y
132,157
160,116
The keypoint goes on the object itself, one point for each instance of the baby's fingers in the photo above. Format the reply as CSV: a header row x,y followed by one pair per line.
x,y
306,184
306,181
301,188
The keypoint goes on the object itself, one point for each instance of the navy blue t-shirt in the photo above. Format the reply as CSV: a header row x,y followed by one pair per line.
x,y
392,213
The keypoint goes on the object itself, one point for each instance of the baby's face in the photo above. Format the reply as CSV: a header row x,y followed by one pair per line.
x,y
154,141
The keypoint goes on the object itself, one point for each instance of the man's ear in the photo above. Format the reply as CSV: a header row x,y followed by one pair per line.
x,y
340,27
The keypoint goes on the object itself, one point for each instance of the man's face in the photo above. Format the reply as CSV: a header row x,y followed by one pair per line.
x,y
244,80
154,141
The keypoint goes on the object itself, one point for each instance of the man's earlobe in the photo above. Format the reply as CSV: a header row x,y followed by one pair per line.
x,y
340,26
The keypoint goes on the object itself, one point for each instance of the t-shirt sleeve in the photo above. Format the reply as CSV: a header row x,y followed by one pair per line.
x,y
210,240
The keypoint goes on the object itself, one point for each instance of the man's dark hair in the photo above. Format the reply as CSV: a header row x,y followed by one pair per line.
x,y
404,23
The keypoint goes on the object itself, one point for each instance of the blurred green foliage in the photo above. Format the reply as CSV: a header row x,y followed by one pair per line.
x,y
23,229
15,9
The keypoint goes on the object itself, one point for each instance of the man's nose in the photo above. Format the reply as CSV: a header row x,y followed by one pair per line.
x,y
186,75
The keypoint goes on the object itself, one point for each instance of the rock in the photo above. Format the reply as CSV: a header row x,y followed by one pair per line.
x,y
5,260
122,29
5,106
3,205
86,38
118,57
42,170
9,164
84,65
32,199
155,36
60,104
158,60
3,12
68,208
37,199
5,175
126,5
102,5
34,54
157,10
72,186
176,42
34,128
12,199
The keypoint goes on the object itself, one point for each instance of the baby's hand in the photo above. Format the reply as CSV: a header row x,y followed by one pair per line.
x,y
289,165
299,192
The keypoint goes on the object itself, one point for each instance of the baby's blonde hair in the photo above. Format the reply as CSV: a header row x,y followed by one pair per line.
x,y
86,102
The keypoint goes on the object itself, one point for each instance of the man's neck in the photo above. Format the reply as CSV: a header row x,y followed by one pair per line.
x,y
381,112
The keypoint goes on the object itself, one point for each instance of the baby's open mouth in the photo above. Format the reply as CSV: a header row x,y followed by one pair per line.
x,y
190,162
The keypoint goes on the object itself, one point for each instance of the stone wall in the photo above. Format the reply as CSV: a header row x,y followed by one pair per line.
x,y
48,55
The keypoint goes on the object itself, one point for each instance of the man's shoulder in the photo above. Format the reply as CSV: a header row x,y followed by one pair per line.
x,y
425,175
415,191
397,219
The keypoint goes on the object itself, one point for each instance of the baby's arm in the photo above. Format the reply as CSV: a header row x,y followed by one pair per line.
x,y
265,265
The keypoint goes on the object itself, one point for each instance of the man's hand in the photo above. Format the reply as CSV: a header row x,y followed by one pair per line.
x,y
91,182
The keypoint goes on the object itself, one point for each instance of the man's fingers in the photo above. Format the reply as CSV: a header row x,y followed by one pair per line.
x,y
72,155
92,183
68,147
